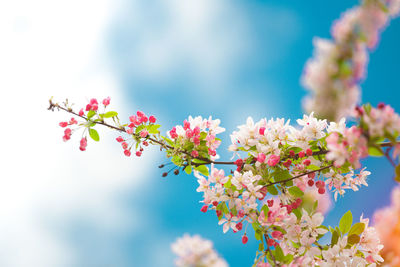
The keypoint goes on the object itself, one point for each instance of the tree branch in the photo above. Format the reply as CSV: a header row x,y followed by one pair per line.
x,y
300,175
269,250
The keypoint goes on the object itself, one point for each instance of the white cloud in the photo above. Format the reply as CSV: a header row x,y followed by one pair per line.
x,y
55,48
200,43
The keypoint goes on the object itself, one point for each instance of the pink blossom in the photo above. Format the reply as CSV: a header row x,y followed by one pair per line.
x,y
261,157
273,160
106,101
152,119
144,133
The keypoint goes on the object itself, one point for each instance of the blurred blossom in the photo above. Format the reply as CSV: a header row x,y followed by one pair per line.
x,y
387,224
194,251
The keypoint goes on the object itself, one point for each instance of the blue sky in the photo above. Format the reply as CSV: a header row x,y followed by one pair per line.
x,y
172,58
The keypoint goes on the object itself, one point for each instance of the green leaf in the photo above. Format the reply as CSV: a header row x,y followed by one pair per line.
x,y
295,191
265,209
375,151
258,234
353,239
367,108
153,129
90,114
279,256
228,184
297,212
288,258
357,229
281,175
110,114
139,128
202,169
272,190
315,206
345,222
188,169
94,134
335,238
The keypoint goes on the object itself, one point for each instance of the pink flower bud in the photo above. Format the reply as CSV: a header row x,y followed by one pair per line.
x,y
271,242
143,119
196,140
127,153
93,101
301,154
320,184
277,235
261,157
106,101
129,131
152,119
63,124
140,113
119,139
195,154
262,130
68,131
287,163
186,125
204,208
189,133
309,152
239,162
173,134
138,153
124,145
241,213
245,239
73,121
212,152
196,131
81,112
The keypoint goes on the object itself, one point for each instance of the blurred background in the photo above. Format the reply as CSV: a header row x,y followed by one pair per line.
x,y
171,58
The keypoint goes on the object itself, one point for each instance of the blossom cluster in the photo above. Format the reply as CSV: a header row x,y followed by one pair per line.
x,y
197,136
276,144
277,166
194,251
349,145
262,192
356,245
387,224
136,132
333,75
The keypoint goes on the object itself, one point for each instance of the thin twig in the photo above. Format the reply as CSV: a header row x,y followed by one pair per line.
x,y
269,250
300,175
